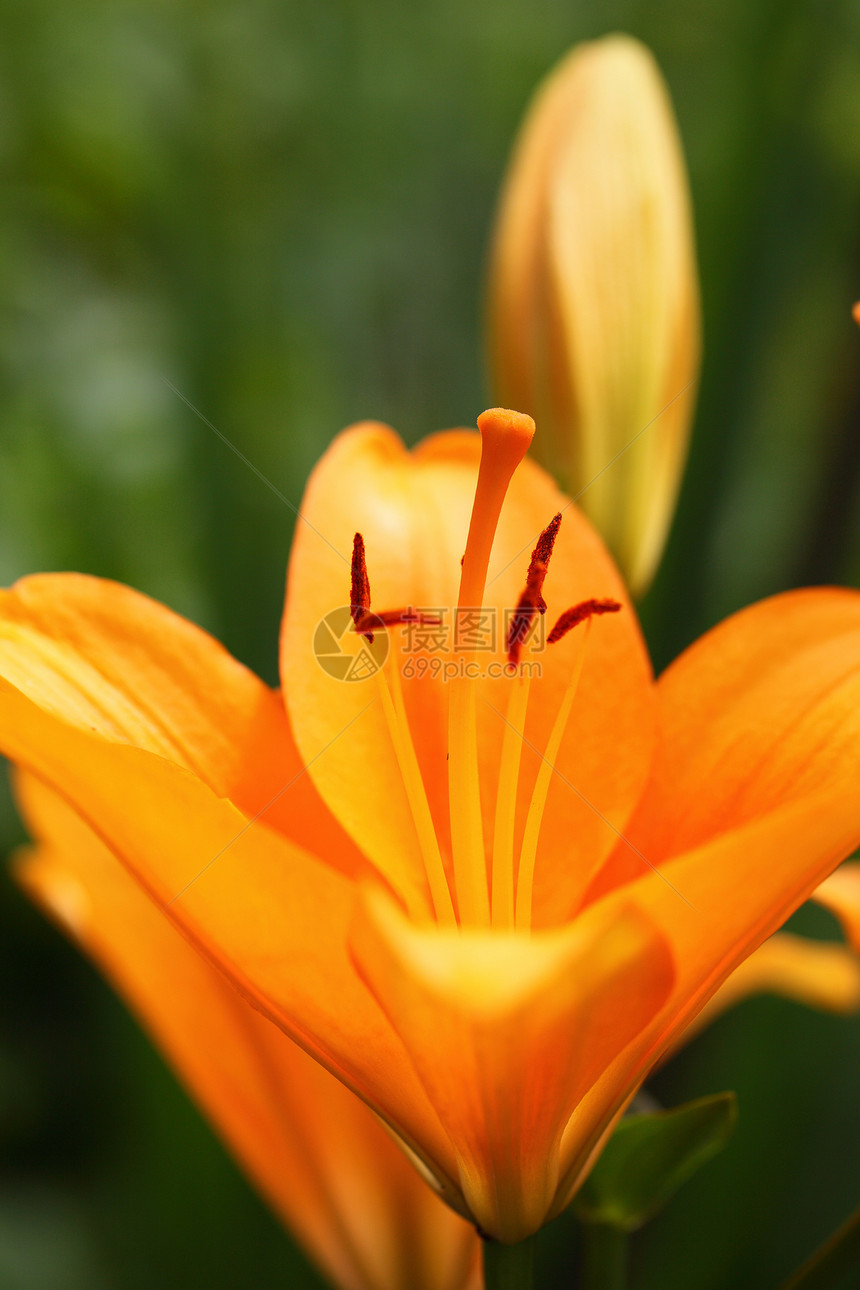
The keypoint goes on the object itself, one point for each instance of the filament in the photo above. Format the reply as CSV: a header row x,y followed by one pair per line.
x,y
531,836
506,802
410,771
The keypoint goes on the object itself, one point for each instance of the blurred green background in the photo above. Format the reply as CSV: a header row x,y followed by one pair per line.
x,y
282,209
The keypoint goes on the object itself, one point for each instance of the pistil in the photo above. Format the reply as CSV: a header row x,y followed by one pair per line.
x,y
505,439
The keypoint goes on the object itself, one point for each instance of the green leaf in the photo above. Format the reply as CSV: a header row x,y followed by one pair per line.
x,y
650,1156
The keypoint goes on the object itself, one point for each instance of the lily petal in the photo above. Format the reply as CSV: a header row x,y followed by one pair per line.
x,y
714,905
323,1160
268,914
507,1032
820,974
840,893
365,483
777,689
413,511
113,661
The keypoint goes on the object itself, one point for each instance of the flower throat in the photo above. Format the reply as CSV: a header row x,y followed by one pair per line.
x,y
498,895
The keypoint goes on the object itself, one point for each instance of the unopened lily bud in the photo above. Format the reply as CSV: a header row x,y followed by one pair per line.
x,y
593,294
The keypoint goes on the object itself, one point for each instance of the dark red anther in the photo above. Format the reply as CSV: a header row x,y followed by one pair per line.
x,y
578,614
531,602
365,621
359,599
545,543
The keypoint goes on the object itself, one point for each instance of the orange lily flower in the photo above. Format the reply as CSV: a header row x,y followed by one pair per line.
x,y
321,1158
488,901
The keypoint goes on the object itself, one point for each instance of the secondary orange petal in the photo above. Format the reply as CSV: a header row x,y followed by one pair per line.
x,y
316,1152
507,1031
762,711
271,916
840,893
714,905
820,974
365,483
110,660
413,511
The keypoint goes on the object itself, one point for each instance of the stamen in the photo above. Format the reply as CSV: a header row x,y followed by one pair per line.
x,y
531,602
365,621
531,836
577,614
506,801
410,771
505,440
359,599
583,612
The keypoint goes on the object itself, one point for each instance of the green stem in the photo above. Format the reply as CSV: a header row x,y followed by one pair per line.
x,y
604,1257
836,1257
509,1267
